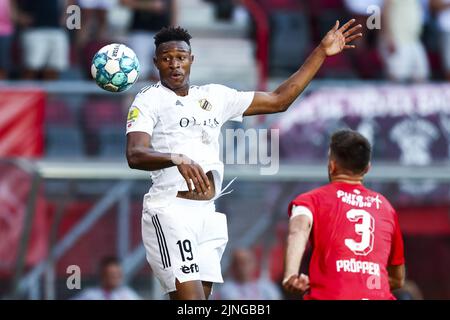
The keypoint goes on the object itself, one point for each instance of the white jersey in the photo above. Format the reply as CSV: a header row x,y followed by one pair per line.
x,y
188,125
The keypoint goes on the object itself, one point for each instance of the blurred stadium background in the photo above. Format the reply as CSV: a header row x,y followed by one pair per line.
x,y
67,196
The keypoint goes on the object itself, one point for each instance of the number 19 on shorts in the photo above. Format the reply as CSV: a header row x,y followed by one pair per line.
x,y
185,250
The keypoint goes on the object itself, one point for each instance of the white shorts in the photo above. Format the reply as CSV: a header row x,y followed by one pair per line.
x,y
45,49
184,240
96,4
408,62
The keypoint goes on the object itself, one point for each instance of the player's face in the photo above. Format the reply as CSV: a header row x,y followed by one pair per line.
x,y
173,60
112,276
243,265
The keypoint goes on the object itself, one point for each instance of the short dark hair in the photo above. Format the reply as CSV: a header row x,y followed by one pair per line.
x,y
167,34
109,260
351,150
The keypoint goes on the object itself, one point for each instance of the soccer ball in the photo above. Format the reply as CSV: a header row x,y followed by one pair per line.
x,y
115,67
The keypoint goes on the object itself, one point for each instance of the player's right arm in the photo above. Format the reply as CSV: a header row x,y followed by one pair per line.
x,y
299,230
141,156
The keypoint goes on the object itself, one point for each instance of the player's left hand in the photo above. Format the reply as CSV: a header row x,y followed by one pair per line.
x,y
296,283
338,39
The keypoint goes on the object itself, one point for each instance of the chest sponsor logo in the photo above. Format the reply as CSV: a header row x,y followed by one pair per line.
x,y
192,121
205,104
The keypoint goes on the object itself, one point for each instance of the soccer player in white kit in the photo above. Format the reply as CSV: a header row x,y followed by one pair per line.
x,y
173,131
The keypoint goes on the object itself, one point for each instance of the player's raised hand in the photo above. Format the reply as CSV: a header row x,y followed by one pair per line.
x,y
193,174
338,39
296,284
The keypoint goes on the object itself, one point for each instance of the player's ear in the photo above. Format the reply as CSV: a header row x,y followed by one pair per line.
x,y
192,58
155,61
332,165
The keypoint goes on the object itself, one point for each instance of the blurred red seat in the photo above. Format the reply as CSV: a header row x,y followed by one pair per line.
x,y
103,112
58,113
319,5
337,66
99,241
271,5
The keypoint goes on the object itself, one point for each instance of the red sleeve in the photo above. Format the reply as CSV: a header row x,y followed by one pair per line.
x,y
396,256
305,200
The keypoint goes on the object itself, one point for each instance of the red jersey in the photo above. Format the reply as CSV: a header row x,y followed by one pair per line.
x,y
355,235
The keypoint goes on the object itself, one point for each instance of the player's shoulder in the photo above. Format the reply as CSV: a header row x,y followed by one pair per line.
x,y
324,189
150,89
380,198
386,202
149,97
214,88
315,192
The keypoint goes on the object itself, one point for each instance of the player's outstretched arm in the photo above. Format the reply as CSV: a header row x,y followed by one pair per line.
x,y
299,230
334,42
141,156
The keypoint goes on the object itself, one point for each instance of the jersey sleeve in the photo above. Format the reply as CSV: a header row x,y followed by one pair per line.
x,y
303,200
142,116
236,102
396,257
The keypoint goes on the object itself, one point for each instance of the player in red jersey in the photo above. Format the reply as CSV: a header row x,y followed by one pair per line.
x,y
357,246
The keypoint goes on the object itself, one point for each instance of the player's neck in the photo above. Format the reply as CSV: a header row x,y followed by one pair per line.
x,y
347,179
182,91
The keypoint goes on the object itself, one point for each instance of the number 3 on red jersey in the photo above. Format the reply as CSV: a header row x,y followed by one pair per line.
x,y
365,229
